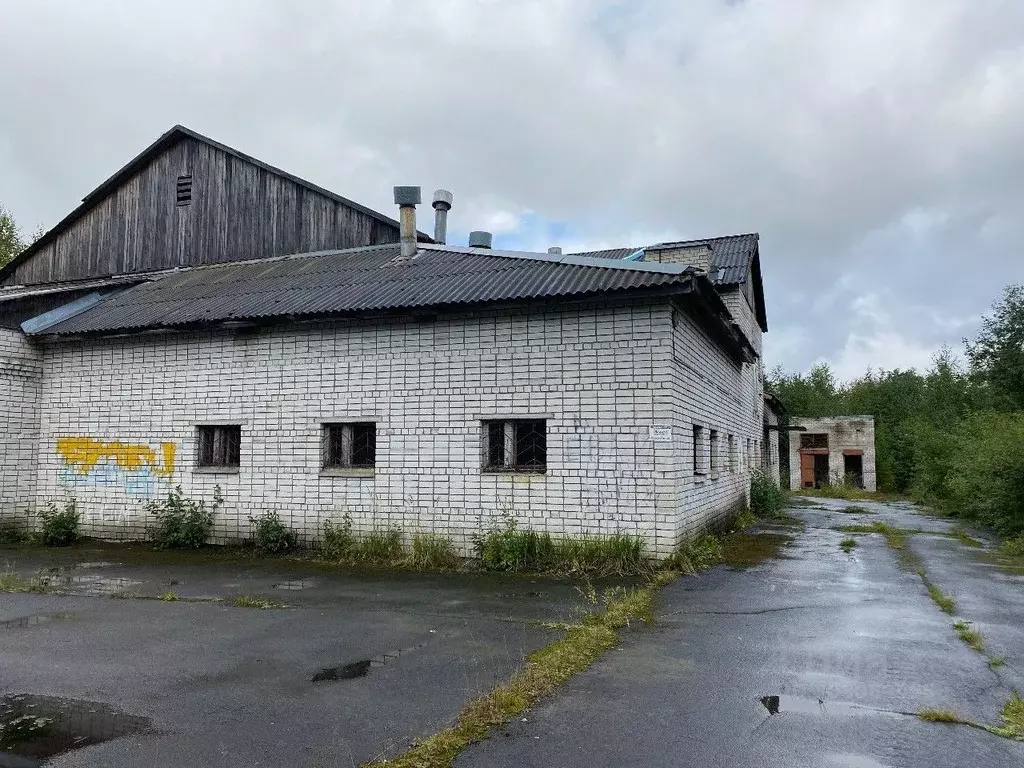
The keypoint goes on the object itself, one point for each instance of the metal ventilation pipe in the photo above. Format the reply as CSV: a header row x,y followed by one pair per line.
x,y
407,198
442,204
479,239
556,250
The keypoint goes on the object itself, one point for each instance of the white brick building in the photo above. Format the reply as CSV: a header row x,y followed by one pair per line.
x,y
438,389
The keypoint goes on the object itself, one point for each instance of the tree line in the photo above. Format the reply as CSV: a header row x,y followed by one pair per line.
x,y
951,437
12,239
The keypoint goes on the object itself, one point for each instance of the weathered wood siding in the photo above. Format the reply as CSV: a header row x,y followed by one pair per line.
x,y
238,211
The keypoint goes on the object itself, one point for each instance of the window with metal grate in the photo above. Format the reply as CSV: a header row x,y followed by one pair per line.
x,y
350,445
515,445
220,445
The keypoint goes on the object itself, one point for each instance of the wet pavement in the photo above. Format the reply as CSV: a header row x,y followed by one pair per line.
x,y
355,669
817,658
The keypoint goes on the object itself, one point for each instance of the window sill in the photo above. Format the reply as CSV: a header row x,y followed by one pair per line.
x,y
215,470
347,472
514,472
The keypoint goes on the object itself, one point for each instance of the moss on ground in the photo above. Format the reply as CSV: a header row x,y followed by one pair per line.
x,y
746,550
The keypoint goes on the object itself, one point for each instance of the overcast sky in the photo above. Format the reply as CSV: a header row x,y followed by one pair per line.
x,y
876,145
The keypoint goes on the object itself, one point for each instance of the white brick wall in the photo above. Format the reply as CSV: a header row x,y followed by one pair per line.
x,y
601,376
20,382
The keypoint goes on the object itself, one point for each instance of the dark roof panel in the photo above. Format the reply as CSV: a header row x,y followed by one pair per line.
x,y
368,279
732,255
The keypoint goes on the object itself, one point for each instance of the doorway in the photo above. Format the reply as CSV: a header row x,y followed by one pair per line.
x,y
853,469
813,469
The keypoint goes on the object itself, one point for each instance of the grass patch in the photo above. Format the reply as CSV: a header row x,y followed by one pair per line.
x,y
251,601
514,548
969,635
697,555
767,499
961,535
848,544
14,582
930,715
847,492
12,536
996,661
1013,547
169,596
434,552
1012,715
945,602
545,670
855,510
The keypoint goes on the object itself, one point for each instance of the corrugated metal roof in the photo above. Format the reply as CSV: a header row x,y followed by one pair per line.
x,y
731,254
375,278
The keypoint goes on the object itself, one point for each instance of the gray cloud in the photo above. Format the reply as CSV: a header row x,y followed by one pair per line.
x,y
875,145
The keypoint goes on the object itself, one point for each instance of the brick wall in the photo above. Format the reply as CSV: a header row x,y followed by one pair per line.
x,y
856,433
602,377
20,380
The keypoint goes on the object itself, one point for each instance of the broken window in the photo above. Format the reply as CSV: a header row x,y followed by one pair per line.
x,y
219,445
698,450
516,445
813,440
350,445
714,452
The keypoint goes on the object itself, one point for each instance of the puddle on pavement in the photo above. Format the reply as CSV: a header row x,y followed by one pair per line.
x,y
296,584
32,621
87,583
345,672
747,550
36,728
782,704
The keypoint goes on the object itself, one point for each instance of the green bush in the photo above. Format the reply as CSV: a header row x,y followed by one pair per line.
x,y
767,499
338,541
182,523
433,551
987,477
59,526
270,535
11,535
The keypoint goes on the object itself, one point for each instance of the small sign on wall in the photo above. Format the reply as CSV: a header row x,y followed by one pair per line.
x,y
661,434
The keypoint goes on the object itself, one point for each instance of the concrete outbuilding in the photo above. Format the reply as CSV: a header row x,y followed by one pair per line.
x,y
831,451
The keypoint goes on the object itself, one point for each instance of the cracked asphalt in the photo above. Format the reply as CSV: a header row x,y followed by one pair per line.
x,y
229,686
815,658
850,644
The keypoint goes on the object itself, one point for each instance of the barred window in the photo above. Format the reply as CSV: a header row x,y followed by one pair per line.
x,y
699,466
518,445
813,440
219,445
714,452
350,446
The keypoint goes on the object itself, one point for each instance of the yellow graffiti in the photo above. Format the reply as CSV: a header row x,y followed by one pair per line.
x,y
84,453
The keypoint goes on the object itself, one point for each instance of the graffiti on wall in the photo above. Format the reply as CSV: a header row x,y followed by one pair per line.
x,y
137,468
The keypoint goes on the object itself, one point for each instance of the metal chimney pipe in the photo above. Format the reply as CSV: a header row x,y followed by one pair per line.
x,y
407,198
479,239
442,204
555,250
